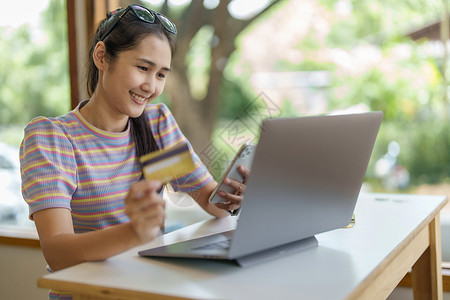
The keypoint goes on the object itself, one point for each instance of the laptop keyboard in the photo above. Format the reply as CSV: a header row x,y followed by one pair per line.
x,y
222,245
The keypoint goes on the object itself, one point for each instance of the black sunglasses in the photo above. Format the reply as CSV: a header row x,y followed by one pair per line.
x,y
144,14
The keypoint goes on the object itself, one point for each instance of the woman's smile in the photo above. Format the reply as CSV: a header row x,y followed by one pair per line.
x,y
138,98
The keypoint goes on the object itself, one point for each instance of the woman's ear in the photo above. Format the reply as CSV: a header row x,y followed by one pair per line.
x,y
99,56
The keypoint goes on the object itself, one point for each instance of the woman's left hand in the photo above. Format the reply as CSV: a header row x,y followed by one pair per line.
x,y
233,201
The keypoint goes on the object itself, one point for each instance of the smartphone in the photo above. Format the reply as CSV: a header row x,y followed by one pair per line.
x,y
244,157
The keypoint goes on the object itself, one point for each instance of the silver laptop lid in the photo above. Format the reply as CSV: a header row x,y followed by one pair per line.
x,y
305,179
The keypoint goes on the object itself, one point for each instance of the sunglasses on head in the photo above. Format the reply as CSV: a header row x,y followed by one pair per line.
x,y
144,14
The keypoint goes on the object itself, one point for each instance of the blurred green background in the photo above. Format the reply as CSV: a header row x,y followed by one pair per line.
x,y
346,55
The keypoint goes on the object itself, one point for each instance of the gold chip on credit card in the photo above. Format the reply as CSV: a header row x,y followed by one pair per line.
x,y
167,164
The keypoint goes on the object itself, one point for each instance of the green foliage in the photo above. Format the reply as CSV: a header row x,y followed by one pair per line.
x,y
404,83
198,62
234,101
376,21
310,43
426,152
287,109
407,88
410,98
34,78
306,65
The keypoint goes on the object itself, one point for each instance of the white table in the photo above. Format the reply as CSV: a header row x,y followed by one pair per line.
x,y
392,234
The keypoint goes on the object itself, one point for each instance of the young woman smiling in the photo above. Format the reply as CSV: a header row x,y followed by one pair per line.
x,y
80,172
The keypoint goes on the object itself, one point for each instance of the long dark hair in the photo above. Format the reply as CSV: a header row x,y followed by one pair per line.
x,y
126,35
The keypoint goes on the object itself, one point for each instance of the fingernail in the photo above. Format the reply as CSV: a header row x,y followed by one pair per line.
x,y
221,194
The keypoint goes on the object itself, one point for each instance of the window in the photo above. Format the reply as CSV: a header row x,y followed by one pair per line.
x,y
34,81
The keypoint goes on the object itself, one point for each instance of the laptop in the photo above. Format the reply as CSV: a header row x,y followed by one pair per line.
x,y
305,179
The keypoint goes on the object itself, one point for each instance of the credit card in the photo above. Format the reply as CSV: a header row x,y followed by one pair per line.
x,y
167,164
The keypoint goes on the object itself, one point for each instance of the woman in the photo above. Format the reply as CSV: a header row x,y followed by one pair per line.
x,y
80,172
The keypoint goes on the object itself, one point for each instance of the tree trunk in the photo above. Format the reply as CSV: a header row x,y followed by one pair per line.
x,y
186,110
197,118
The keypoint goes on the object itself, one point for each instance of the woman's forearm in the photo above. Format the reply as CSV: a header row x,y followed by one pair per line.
x,y
68,249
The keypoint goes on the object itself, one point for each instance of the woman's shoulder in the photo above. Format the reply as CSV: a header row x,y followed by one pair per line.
x,y
157,110
159,115
49,124
163,125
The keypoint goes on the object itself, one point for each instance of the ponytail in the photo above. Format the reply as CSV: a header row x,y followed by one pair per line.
x,y
142,135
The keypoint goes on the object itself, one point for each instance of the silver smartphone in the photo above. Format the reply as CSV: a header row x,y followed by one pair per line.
x,y
244,157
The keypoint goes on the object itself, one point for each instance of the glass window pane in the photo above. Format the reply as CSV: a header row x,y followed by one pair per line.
x,y
34,81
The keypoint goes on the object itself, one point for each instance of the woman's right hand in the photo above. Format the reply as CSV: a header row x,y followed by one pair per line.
x,y
146,209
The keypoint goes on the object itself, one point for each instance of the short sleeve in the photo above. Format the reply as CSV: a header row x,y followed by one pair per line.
x,y
167,134
47,166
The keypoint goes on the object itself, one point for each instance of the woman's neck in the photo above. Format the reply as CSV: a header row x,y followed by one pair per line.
x,y
98,114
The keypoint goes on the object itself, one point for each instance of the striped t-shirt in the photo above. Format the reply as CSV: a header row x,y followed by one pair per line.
x,y
68,163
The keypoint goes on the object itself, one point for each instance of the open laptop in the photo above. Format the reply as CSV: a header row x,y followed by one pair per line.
x,y
305,179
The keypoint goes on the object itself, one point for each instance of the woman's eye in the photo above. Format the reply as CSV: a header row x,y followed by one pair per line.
x,y
160,75
143,68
